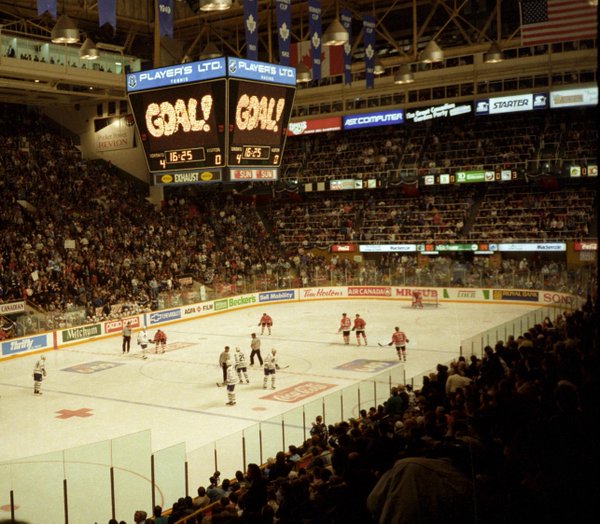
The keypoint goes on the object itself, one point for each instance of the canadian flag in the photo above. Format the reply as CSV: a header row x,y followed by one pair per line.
x,y
332,58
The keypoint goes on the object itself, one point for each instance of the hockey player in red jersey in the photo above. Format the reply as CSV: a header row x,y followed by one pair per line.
x,y
399,340
417,299
345,324
265,322
160,340
359,327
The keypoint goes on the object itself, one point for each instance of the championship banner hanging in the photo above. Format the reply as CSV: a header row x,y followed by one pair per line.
x,y
314,26
250,26
46,5
283,15
107,13
165,18
369,31
346,20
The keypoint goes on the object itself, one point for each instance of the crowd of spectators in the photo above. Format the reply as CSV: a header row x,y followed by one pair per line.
x,y
566,213
512,430
76,235
512,213
504,438
336,155
443,145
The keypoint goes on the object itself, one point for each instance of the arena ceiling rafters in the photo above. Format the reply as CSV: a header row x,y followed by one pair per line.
x,y
454,23
403,28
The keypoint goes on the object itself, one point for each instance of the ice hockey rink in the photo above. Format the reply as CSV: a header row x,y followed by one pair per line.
x,y
93,392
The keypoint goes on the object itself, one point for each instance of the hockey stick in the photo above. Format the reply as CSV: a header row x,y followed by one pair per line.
x,y
283,367
382,345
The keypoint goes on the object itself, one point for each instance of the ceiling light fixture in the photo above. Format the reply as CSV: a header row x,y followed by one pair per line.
x,y
65,31
215,5
432,53
210,51
494,54
88,50
379,68
303,74
335,35
404,75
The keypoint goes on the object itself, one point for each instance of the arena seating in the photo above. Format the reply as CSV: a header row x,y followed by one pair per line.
x,y
75,233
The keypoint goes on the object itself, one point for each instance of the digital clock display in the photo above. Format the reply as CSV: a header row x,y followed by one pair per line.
x,y
182,126
256,153
258,118
184,156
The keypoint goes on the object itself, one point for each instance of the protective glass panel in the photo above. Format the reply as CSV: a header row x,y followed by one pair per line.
x,y
131,466
169,475
87,470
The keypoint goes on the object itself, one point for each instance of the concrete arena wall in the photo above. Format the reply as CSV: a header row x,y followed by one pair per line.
x,y
60,338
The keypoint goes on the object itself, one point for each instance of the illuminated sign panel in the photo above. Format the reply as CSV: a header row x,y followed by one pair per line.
x,y
203,116
317,125
379,118
182,127
434,112
585,96
511,104
258,116
176,74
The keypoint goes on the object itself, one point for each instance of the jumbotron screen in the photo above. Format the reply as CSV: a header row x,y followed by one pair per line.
x,y
258,120
212,114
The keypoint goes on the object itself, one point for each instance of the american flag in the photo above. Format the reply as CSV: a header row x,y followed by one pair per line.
x,y
548,21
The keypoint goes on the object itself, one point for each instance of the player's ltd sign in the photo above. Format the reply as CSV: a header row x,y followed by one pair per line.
x,y
116,326
299,392
24,344
369,291
272,296
322,292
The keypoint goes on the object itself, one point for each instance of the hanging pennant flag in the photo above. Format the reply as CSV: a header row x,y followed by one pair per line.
x,y
47,5
107,13
314,27
283,15
346,20
369,31
165,18
251,27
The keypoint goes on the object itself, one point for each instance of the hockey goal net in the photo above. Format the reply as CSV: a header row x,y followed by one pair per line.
x,y
431,300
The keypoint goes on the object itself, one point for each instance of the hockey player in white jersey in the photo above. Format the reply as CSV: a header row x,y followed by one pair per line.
x,y
39,372
270,367
231,381
142,340
240,365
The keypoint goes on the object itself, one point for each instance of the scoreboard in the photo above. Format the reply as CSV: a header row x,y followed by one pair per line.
x,y
195,120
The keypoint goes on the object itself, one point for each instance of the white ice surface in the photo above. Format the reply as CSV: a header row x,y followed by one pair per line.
x,y
175,394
